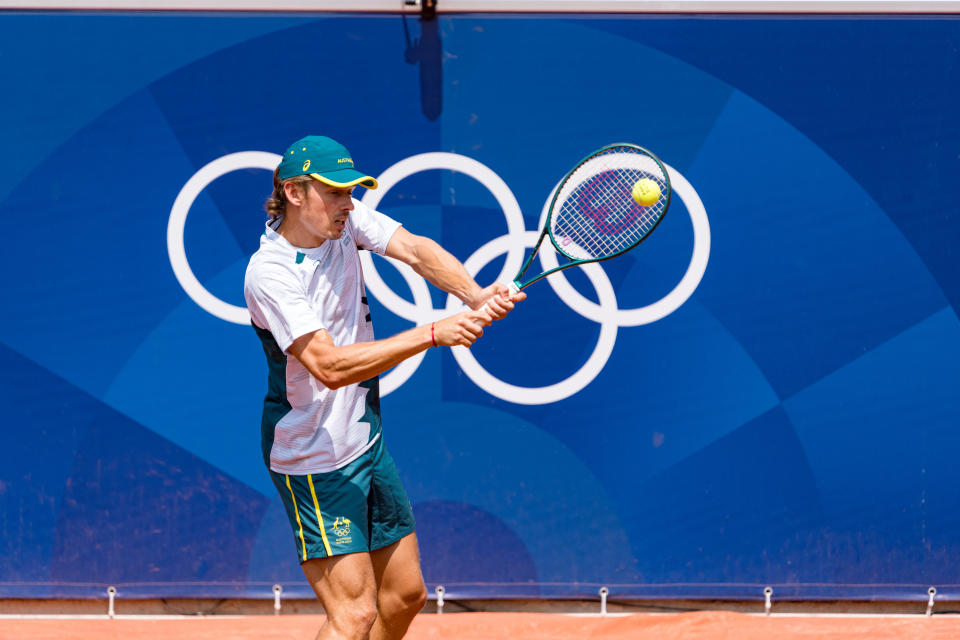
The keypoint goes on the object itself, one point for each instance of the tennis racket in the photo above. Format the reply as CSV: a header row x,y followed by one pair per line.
x,y
594,216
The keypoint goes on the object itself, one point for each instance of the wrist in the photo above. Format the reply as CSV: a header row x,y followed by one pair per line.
x,y
474,299
433,334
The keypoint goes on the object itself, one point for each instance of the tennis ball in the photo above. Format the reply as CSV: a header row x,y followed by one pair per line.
x,y
646,192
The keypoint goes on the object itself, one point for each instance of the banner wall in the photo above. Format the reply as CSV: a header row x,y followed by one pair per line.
x,y
763,393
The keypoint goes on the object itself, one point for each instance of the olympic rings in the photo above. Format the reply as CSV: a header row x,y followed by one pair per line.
x,y
607,313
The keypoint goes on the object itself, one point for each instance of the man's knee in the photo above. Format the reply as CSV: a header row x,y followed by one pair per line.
x,y
354,619
417,599
405,602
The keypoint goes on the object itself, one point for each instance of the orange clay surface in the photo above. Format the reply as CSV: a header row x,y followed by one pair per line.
x,y
701,625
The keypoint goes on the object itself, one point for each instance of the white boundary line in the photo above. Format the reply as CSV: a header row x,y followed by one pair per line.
x,y
498,6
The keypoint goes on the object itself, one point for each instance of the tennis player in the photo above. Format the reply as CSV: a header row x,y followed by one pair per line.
x,y
321,432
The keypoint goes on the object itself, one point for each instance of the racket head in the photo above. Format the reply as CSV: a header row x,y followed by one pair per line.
x,y
593,215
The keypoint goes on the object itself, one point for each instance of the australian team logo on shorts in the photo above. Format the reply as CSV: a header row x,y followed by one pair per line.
x,y
341,529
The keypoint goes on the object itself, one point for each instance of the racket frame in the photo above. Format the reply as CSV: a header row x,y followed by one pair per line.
x,y
518,286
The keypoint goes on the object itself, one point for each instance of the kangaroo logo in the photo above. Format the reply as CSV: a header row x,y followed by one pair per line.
x,y
341,526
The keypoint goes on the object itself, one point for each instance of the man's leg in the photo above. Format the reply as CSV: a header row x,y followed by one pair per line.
x,y
401,593
347,588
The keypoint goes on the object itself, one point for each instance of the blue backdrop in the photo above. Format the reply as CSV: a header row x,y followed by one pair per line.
x,y
791,419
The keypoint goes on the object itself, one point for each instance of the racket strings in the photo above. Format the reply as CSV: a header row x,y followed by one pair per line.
x,y
597,216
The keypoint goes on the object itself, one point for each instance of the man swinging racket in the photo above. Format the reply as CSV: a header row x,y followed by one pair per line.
x,y
321,433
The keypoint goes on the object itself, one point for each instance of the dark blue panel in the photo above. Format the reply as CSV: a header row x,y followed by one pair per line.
x,y
874,93
271,559
264,104
881,438
807,272
44,420
137,509
89,498
87,64
457,542
745,506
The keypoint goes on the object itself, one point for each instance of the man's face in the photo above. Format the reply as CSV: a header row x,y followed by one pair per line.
x,y
324,209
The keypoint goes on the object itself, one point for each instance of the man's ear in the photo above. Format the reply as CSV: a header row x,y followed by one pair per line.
x,y
296,193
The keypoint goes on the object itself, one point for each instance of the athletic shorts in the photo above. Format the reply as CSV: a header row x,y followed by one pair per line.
x,y
361,507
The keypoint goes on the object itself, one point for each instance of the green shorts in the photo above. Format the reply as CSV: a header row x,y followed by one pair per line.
x,y
360,507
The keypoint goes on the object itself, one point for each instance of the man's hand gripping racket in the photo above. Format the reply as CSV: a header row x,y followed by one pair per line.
x,y
605,206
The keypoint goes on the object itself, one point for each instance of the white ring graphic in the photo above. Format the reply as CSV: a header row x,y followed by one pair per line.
x,y
178,220
425,162
422,310
666,305
607,314
423,306
565,388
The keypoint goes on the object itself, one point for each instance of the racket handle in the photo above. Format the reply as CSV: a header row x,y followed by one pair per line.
x,y
514,288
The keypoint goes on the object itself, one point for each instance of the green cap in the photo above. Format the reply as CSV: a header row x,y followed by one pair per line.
x,y
325,160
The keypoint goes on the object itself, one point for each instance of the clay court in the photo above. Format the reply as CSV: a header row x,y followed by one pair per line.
x,y
700,625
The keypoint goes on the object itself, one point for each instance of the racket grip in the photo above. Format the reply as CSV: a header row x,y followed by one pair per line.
x,y
514,288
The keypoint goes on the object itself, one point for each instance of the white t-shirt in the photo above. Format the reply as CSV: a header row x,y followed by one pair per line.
x,y
290,292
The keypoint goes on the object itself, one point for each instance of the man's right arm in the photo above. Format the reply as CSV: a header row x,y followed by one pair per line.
x,y
338,366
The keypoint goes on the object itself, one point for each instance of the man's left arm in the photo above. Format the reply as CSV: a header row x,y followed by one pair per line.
x,y
443,270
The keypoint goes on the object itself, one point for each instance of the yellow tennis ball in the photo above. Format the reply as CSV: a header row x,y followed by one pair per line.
x,y
646,192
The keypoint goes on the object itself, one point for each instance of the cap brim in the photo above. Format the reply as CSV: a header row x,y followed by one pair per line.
x,y
345,178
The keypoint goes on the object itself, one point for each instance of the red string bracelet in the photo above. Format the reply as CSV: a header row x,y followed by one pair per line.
x,y
433,336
